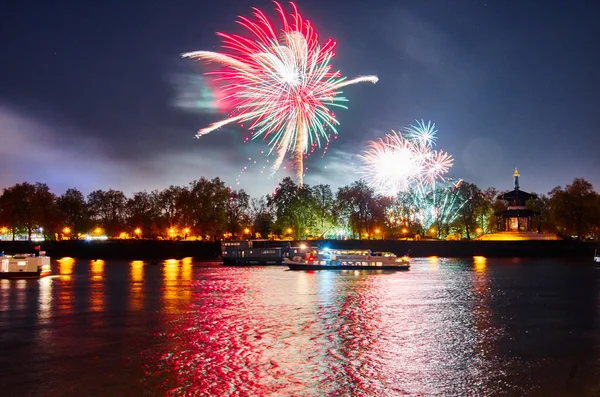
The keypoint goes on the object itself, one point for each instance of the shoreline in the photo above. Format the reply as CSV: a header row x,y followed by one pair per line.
x,y
210,251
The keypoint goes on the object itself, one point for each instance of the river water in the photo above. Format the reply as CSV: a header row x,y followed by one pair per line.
x,y
447,327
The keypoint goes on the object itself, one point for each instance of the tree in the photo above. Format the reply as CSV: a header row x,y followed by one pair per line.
x,y
143,211
541,204
29,206
360,208
486,209
376,213
323,210
73,211
574,209
472,197
206,207
292,205
9,214
237,211
174,210
108,208
260,216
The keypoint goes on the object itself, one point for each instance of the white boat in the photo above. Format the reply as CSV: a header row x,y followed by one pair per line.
x,y
596,256
25,265
334,259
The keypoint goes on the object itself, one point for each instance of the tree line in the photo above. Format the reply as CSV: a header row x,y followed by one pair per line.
x,y
208,209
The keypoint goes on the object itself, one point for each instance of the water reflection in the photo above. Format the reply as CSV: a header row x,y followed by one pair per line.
x,y
480,263
434,263
176,277
65,297
97,270
21,295
334,333
136,287
186,269
96,294
447,327
487,331
65,267
5,292
45,300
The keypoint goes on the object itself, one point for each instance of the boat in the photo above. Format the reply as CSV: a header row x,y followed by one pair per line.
x,y
257,252
596,256
334,259
25,265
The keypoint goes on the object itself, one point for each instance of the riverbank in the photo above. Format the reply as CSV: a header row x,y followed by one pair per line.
x,y
199,250
119,249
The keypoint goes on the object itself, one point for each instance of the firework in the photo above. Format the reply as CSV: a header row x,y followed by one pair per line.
x,y
281,84
400,162
406,167
429,206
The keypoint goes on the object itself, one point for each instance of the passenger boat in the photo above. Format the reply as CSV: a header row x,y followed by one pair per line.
x,y
257,252
333,259
25,265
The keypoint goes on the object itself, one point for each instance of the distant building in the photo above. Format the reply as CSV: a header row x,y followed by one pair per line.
x,y
516,217
516,221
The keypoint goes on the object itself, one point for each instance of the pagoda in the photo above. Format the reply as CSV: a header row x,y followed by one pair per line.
x,y
516,217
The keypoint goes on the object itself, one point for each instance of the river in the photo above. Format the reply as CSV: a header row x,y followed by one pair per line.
x,y
447,327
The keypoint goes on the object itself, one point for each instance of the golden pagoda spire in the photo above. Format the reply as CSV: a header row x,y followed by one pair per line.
x,y
516,175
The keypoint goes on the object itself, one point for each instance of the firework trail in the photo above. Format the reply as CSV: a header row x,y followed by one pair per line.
x,y
282,84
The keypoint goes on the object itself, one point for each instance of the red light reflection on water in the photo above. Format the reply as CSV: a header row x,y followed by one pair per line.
x,y
267,331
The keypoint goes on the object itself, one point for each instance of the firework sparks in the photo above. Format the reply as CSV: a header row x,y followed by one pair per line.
x,y
406,167
400,162
281,84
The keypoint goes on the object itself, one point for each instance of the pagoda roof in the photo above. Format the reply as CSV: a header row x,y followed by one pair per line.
x,y
517,195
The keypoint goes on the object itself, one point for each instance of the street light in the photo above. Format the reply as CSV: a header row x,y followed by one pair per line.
x,y
98,230
289,231
4,230
138,231
246,231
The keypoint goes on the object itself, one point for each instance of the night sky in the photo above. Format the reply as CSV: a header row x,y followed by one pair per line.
x,y
95,94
